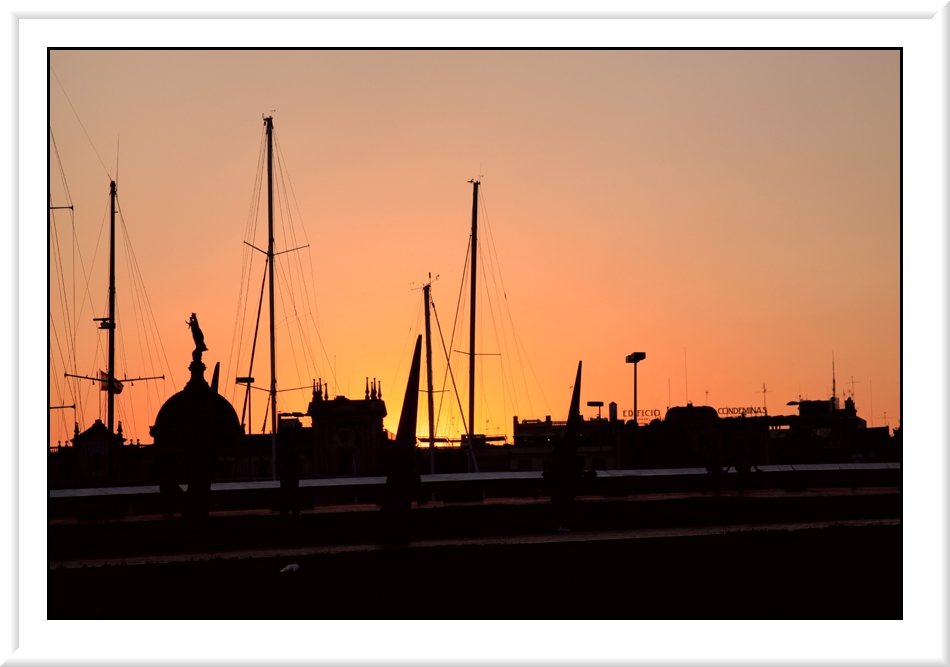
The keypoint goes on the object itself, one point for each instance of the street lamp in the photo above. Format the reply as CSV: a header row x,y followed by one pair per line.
x,y
634,359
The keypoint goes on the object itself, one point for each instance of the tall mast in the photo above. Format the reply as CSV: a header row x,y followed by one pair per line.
x,y
834,389
425,295
471,338
111,322
269,124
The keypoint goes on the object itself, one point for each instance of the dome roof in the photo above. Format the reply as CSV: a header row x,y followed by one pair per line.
x,y
196,411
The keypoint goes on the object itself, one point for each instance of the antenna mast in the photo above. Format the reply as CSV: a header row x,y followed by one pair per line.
x,y
425,295
471,339
686,374
113,386
834,387
110,324
269,124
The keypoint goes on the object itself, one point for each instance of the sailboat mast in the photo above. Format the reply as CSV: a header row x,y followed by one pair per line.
x,y
834,389
425,295
111,322
471,338
269,123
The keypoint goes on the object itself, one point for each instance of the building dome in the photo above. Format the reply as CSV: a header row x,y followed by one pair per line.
x,y
195,411
190,428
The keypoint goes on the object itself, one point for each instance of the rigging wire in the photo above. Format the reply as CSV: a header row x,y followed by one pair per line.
x,y
297,303
52,325
490,271
285,273
73,391
452,375
97,348
458,306
458,312
137,274
310,300
504,294
58,392
247,263
140,325
87,294
486,406
57,250
481,370
294,259
87,277
492,287
266,413
80,121
120,343
95,254
250,370
60,282
125,409
290,339
412,332
81,400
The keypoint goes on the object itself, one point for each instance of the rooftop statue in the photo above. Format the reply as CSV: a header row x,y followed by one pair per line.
x,y
197,335
191,429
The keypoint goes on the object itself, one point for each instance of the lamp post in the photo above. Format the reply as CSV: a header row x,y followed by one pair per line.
x,y
634,359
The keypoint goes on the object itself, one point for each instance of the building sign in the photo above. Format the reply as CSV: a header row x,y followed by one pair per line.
x,y
650,413
654,413
753,412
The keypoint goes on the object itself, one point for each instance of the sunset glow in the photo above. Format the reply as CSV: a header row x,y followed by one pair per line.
x,y
734,214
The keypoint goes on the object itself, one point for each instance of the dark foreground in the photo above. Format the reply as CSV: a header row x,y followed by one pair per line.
x,y
837,572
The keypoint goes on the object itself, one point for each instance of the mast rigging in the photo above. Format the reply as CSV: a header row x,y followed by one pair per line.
x,y
425,293
269,124
471,338
110,323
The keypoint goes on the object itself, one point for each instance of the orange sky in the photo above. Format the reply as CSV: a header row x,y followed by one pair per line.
x,y
741,205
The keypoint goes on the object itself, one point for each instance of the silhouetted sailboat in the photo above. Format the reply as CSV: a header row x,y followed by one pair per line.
x,y
470,439
108,380
96,453
565,471
270,255
403,479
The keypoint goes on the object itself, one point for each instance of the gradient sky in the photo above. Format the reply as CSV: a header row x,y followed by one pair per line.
x,y
736,212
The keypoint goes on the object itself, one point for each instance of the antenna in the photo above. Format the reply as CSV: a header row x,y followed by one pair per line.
x,y
426,292
834,393
853,382
764,401
686,371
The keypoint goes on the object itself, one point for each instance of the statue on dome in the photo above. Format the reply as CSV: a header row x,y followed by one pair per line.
x,y
197,335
